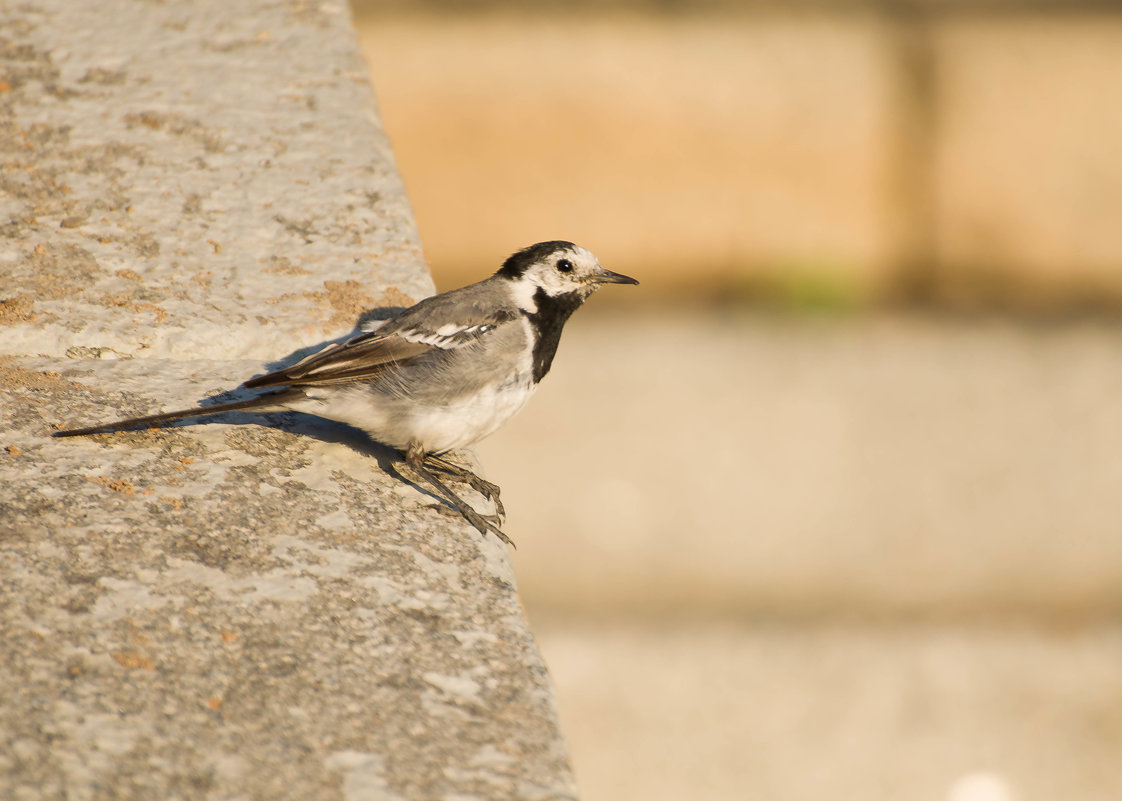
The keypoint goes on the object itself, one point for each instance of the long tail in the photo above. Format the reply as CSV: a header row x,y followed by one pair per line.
x,y
269,399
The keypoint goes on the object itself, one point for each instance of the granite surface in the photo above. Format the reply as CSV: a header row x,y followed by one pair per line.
x,y
256,608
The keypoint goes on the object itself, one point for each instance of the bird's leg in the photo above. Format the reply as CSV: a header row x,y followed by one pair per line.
x,y
485,488
415,458
482,486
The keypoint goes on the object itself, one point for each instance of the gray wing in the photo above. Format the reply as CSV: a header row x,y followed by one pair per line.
x,y
441,323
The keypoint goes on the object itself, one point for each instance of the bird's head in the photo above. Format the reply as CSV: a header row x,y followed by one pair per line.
x,y
559,269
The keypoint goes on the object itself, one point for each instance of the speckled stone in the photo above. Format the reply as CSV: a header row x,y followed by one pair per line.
x,y
256,608
188,180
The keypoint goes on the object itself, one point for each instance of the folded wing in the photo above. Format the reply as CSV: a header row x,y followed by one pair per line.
x,y
362,357
367,355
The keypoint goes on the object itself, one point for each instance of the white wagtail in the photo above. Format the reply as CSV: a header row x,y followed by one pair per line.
x,y
442,374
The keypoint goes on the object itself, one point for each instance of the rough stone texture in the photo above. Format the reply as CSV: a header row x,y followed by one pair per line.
x,y
256,609
191,181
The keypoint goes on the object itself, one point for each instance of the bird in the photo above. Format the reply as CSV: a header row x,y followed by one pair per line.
x,y
439,375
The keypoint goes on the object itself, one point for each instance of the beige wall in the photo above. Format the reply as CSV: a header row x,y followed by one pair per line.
x,y
721,152
845,557
1029,163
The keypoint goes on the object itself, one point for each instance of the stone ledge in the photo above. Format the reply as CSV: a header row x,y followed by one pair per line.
x,y
206,181
255,608
254,612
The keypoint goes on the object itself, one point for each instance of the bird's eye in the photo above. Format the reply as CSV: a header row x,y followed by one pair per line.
x,y
565,266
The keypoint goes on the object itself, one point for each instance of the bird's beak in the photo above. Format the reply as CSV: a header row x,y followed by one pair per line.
x,y
608,277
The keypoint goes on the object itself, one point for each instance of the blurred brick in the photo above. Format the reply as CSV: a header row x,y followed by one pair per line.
x,y
733,153
1030,156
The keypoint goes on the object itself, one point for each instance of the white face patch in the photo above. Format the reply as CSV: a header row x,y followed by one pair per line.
x,y
580,277
523,294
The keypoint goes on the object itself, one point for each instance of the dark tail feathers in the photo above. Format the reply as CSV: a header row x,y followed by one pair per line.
x,y
269,399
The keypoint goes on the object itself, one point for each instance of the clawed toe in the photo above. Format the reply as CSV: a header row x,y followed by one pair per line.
x,y
487,489
484,524
420,464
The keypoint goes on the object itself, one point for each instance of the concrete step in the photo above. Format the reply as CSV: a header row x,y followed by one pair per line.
x,y
858,712
729,463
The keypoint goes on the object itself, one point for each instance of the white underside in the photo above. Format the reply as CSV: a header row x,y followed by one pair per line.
x,y
395,422
445,400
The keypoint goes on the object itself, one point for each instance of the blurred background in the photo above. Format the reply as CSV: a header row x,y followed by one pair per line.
x,y
831,505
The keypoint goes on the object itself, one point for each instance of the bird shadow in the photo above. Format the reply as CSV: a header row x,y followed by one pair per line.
x,y
387,458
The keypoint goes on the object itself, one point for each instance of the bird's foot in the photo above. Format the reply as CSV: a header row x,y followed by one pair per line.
x,y
420,463
487,489
483,523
